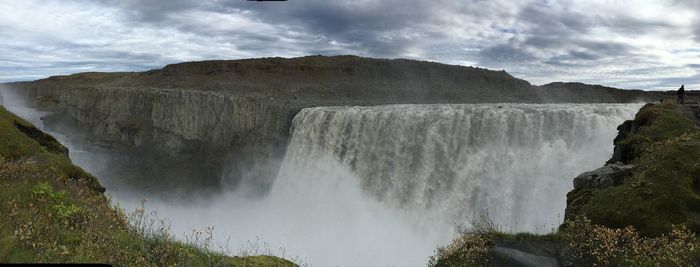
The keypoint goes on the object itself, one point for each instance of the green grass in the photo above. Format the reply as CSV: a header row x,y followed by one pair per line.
x,y
52,211
663,190
42,149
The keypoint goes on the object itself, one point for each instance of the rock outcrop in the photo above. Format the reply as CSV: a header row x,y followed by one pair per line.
x,y
603,177
529,253
652,181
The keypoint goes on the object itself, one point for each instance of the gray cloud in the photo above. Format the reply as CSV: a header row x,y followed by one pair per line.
x,y
540,40
558,35
151,10
508,53
692,5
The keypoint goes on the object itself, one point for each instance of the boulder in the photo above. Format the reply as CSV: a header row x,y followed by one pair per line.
x,y
603,177
524,253
512,257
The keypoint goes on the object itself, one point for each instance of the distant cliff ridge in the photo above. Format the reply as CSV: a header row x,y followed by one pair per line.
x,y
198,115
320,80
347,80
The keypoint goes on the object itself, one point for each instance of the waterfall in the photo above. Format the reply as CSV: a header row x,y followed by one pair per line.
x,y
385,185
450,164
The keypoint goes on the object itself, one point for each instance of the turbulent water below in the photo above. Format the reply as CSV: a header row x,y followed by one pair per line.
x,y
446,163
385,185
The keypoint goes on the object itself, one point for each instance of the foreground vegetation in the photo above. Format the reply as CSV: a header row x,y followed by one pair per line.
x,y
584,244
647,217
52,211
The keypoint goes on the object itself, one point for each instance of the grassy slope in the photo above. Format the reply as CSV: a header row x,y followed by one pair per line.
x,y
53,211
664,187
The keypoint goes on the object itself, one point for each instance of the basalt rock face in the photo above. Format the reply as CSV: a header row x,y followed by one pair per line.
x,y
625,152
186,137
175,121
526,253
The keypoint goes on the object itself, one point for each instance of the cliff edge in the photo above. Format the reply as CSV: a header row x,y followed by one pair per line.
x,y
652,182
193,121
54,212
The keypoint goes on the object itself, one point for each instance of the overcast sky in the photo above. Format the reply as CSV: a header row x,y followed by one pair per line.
x,y
644,44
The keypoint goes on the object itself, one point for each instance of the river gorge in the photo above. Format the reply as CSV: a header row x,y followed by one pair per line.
x,y
364,185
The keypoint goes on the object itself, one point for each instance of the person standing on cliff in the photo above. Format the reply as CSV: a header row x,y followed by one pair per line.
x,y
681,95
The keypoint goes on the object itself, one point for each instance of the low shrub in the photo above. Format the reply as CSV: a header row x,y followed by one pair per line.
x,y
594,245
588,245
470,248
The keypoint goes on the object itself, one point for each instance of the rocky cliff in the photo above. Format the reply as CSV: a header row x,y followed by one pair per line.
x,y
198,115
324,81
184,135
180,120
652,181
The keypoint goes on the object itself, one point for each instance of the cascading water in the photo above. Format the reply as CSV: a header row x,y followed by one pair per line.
x,y
445,164
385,185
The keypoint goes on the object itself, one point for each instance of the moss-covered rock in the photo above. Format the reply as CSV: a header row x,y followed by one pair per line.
x,y
662,189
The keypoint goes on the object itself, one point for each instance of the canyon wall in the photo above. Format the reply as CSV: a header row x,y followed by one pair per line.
x,y
184,137
191,117
176,121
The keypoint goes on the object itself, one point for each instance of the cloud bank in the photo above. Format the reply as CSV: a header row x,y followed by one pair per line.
x,y
642,44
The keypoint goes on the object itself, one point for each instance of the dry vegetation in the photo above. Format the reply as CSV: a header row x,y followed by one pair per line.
x,y
589,245
595,245
470,248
